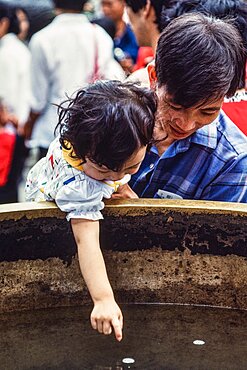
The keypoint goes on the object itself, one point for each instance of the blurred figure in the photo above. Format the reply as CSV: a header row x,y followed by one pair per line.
x,y
107,24
125,44
24,24
14,65
145,19
117,72
12,156
67,54
15,102
40,14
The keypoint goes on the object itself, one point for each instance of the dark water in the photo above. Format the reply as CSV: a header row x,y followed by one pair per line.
x,y
155,336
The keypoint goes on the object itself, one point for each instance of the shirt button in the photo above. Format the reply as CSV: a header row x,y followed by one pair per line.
x,y
151,166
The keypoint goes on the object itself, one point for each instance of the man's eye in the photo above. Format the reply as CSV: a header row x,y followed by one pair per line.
x,y
176,108
208,113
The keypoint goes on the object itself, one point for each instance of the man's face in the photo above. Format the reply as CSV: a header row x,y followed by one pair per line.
x,y
177,122
113,9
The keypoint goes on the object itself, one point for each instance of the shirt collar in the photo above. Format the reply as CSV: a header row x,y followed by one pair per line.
x,y
70,17
69,156
206,136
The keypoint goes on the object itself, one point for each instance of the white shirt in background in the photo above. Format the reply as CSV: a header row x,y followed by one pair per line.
x,y
15,76
63,60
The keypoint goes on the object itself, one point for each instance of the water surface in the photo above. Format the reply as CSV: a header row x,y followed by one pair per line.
x,y
156,337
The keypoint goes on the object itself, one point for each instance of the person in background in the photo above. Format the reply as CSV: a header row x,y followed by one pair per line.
x,y
15,98
199,153
14,65
125,45
67,54
109,26
24,24
12,156
145,19
104,134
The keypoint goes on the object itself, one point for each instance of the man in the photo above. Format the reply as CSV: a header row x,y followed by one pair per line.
x,y
67,54
14,65
145,19
15,102
126,47
199,153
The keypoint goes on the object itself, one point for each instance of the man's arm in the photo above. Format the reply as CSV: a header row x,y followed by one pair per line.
x,y
231,184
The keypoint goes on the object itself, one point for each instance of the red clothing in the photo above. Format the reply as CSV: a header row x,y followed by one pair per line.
x,y
145,55
237,112
7,140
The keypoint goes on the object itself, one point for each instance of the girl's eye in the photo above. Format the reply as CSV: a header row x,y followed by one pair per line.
x,y
102,171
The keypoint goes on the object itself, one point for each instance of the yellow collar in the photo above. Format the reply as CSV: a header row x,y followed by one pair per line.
x,y
76,163
68,156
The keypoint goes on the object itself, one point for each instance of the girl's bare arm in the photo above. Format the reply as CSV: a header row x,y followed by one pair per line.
x,y
106,314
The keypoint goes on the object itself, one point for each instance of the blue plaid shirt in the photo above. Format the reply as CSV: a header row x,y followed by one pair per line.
x,y
211,164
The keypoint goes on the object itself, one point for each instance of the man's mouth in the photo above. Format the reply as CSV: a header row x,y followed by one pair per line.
x,y
178,132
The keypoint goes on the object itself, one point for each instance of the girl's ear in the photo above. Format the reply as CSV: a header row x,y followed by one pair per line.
x,y
152,76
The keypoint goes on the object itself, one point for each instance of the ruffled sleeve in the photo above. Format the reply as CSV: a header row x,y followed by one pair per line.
x,y
81,199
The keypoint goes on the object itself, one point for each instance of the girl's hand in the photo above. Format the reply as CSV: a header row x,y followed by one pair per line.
x,y
107,315
124,192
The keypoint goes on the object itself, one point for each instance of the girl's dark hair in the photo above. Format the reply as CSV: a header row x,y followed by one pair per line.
x,y
199,58
8,11
107,122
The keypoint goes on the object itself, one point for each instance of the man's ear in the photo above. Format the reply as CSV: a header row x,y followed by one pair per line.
x,y
149,12
152,76
147,9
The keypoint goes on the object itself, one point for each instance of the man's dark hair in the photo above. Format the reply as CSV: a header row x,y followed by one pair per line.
x,y
8,11
236,10
107,122
137,5
199,59
76,5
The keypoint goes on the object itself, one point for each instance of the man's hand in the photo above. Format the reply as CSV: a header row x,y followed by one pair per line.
x,y
106,315
124,192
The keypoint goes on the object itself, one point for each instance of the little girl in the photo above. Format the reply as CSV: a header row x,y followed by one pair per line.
x,y
104,133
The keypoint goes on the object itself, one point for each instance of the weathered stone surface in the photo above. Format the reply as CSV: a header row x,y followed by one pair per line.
x,y
155,251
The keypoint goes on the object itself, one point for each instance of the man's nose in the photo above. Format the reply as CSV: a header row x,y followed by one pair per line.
x,y
188,122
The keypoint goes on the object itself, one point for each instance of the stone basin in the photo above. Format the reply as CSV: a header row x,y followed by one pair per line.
x,y
156,251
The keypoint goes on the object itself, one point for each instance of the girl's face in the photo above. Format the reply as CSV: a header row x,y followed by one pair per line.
x,y
101,173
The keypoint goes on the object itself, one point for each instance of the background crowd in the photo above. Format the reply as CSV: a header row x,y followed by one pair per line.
x,y
50,49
